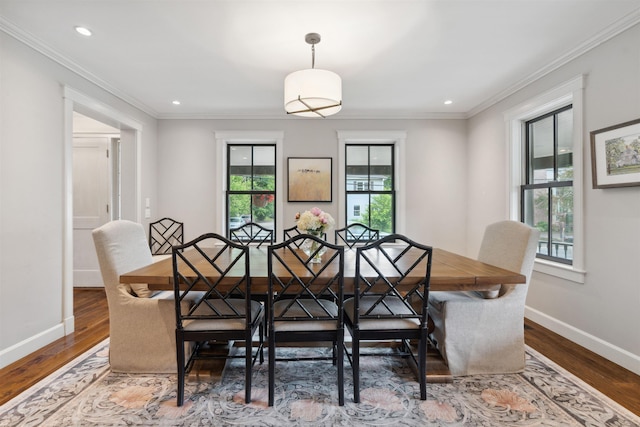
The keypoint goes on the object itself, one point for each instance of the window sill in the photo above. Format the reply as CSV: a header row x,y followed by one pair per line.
x,y
561,271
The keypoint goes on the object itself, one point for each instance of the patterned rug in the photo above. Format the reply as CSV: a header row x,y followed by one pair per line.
x,y
86,393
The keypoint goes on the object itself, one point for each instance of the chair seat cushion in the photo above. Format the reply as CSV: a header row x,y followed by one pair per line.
x,y
141,290
207,324
395,307
317,308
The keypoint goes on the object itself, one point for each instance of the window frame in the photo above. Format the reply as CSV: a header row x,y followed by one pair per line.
x,y
395,138
225,138
550,185
570,92
253,192
366,187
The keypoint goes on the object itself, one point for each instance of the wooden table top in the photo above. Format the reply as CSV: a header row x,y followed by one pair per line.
x,y
449,272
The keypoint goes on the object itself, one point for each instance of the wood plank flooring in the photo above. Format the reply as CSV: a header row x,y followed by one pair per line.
x,y
92,326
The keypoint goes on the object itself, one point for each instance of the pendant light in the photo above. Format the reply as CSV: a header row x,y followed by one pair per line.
x,y
312,92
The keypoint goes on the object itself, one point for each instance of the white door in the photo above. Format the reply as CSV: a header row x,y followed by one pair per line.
x,y
91,204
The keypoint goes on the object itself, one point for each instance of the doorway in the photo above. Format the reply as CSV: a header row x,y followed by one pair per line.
x,y
128,192
96,176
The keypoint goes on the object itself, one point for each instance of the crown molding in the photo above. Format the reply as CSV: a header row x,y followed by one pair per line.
x,y
343,115
39,46
608,33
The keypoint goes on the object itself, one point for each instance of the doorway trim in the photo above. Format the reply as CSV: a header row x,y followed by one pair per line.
x,y
75,100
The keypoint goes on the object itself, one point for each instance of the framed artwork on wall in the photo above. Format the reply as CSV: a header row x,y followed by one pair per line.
x,y
309,179
615,155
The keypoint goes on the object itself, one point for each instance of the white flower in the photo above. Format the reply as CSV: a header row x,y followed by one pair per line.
x,y
314,221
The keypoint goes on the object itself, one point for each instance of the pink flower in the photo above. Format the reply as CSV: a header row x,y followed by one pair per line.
x,y
314,220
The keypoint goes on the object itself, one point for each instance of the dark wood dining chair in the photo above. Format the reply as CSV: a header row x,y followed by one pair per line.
x,y
163,234
390,301
226,312
356,234
305,301
251,232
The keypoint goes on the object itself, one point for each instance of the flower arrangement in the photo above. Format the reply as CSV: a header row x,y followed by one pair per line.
x,y
314,221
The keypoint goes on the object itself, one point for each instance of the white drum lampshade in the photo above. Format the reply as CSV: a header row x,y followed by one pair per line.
x,y
309,92
312,92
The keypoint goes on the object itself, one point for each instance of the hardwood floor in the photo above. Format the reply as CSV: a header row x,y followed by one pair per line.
x,y
92,326
618,383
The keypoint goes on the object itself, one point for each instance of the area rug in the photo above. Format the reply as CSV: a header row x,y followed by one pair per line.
x,y
86,393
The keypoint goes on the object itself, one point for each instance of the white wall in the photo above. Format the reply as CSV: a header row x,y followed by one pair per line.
x,y
435,170
602,314
32,177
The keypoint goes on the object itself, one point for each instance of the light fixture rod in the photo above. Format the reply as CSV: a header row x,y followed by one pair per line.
x,y
312,39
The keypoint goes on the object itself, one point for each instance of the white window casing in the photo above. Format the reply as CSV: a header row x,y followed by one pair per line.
x,y
570,92
398,139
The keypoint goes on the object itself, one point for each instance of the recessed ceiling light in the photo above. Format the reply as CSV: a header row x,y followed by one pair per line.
x,y
448,102
84,31
176,102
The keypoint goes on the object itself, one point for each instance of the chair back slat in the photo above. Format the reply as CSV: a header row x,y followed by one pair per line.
x,y
356,234
294,277
408,285
251,233
164,234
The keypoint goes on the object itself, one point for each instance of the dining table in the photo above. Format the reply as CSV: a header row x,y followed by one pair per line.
x,y
449,272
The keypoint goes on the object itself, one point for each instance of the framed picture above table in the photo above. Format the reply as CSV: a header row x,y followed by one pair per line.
x,y
615,155
309,179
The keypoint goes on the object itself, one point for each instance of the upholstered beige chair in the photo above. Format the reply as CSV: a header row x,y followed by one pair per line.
x,y
483,333
142,323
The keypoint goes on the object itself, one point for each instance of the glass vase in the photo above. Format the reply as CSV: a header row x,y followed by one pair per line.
x,y
313,249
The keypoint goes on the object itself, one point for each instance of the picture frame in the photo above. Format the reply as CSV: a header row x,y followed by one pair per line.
x,y
309,179
615,155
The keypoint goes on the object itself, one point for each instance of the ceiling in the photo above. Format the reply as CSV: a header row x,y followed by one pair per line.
x,y
397,58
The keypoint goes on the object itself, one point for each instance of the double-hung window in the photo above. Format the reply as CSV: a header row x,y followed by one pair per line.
x,y
369,186
251,185
547,193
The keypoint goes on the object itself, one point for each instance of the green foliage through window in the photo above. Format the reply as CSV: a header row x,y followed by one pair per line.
x,y
251,188
547,194
369,172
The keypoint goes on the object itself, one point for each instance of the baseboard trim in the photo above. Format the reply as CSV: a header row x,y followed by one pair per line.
x,y
603,348
31,344
69,325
